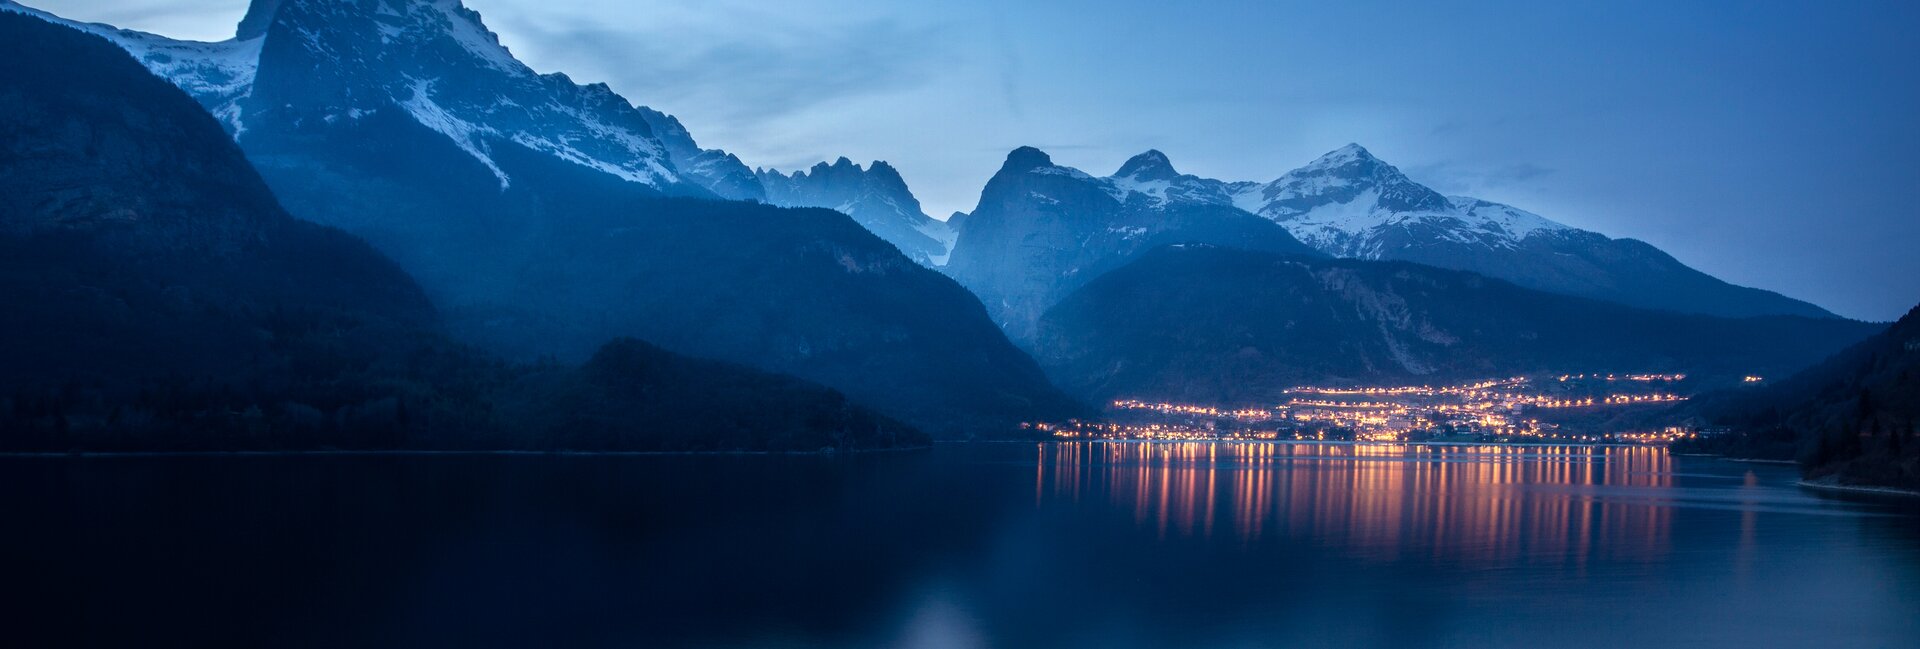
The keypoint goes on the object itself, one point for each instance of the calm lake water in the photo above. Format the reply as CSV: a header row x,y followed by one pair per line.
x,y
1005,545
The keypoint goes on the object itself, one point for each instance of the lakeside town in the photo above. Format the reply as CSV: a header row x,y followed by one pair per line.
x,y
1594,408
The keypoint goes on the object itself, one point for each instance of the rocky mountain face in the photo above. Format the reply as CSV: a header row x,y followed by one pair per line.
x,y
159,298
435,61
1216,325
1042,230
546,218
876,197
1349,203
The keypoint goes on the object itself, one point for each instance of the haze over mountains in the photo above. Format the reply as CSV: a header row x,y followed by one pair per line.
x,y
543,220
1345,204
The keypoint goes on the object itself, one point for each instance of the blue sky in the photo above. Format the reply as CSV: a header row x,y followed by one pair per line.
x,y
1773,144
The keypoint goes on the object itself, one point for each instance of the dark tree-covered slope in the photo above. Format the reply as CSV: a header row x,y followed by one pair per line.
x,y
1852,419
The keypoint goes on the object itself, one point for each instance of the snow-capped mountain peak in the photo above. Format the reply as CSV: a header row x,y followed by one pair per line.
x,y
297,63
337,61
1344,202
1350,154
1349,203
1341,177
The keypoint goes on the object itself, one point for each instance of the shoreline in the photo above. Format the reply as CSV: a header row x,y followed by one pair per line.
x,y
1326,442
826,453
1858,489
429,453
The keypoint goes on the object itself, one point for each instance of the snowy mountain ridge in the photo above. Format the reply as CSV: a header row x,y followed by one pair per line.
x,y
1349,203
1343,202
436,61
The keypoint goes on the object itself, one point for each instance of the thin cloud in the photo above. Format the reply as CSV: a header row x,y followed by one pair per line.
x,y
760,74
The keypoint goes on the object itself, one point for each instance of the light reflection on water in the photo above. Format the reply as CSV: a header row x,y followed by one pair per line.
x,y
1465,504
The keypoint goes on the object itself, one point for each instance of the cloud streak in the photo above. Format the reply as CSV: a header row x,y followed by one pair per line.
x,y
760,69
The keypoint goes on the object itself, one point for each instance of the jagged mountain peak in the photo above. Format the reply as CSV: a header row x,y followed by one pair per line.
x,y
1152,165
876,197
444,32
338,61
842,169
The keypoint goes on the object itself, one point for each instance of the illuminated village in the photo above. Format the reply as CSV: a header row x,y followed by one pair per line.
x,y
1512,410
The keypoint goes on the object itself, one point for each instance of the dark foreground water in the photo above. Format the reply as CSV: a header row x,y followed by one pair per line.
x,y
1007,545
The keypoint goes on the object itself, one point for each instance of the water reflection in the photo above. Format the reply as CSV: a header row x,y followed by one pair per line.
x,y
1107,545
1468,504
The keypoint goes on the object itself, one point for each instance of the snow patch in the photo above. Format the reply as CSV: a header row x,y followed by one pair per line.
x,y
464,135
942,233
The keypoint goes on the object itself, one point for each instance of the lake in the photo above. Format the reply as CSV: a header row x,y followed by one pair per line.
x,y
967,545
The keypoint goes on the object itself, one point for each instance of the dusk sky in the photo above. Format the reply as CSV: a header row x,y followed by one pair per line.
x,y
1771,144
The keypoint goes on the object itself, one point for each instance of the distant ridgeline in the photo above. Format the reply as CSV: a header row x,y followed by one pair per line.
x,y
159,298
1042,230
1853,419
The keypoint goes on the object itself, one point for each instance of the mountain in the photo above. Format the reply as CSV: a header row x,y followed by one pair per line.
x,y
1853,419
1222,326
534,251
160,299
876,197
1349,203
435,62
1042,230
